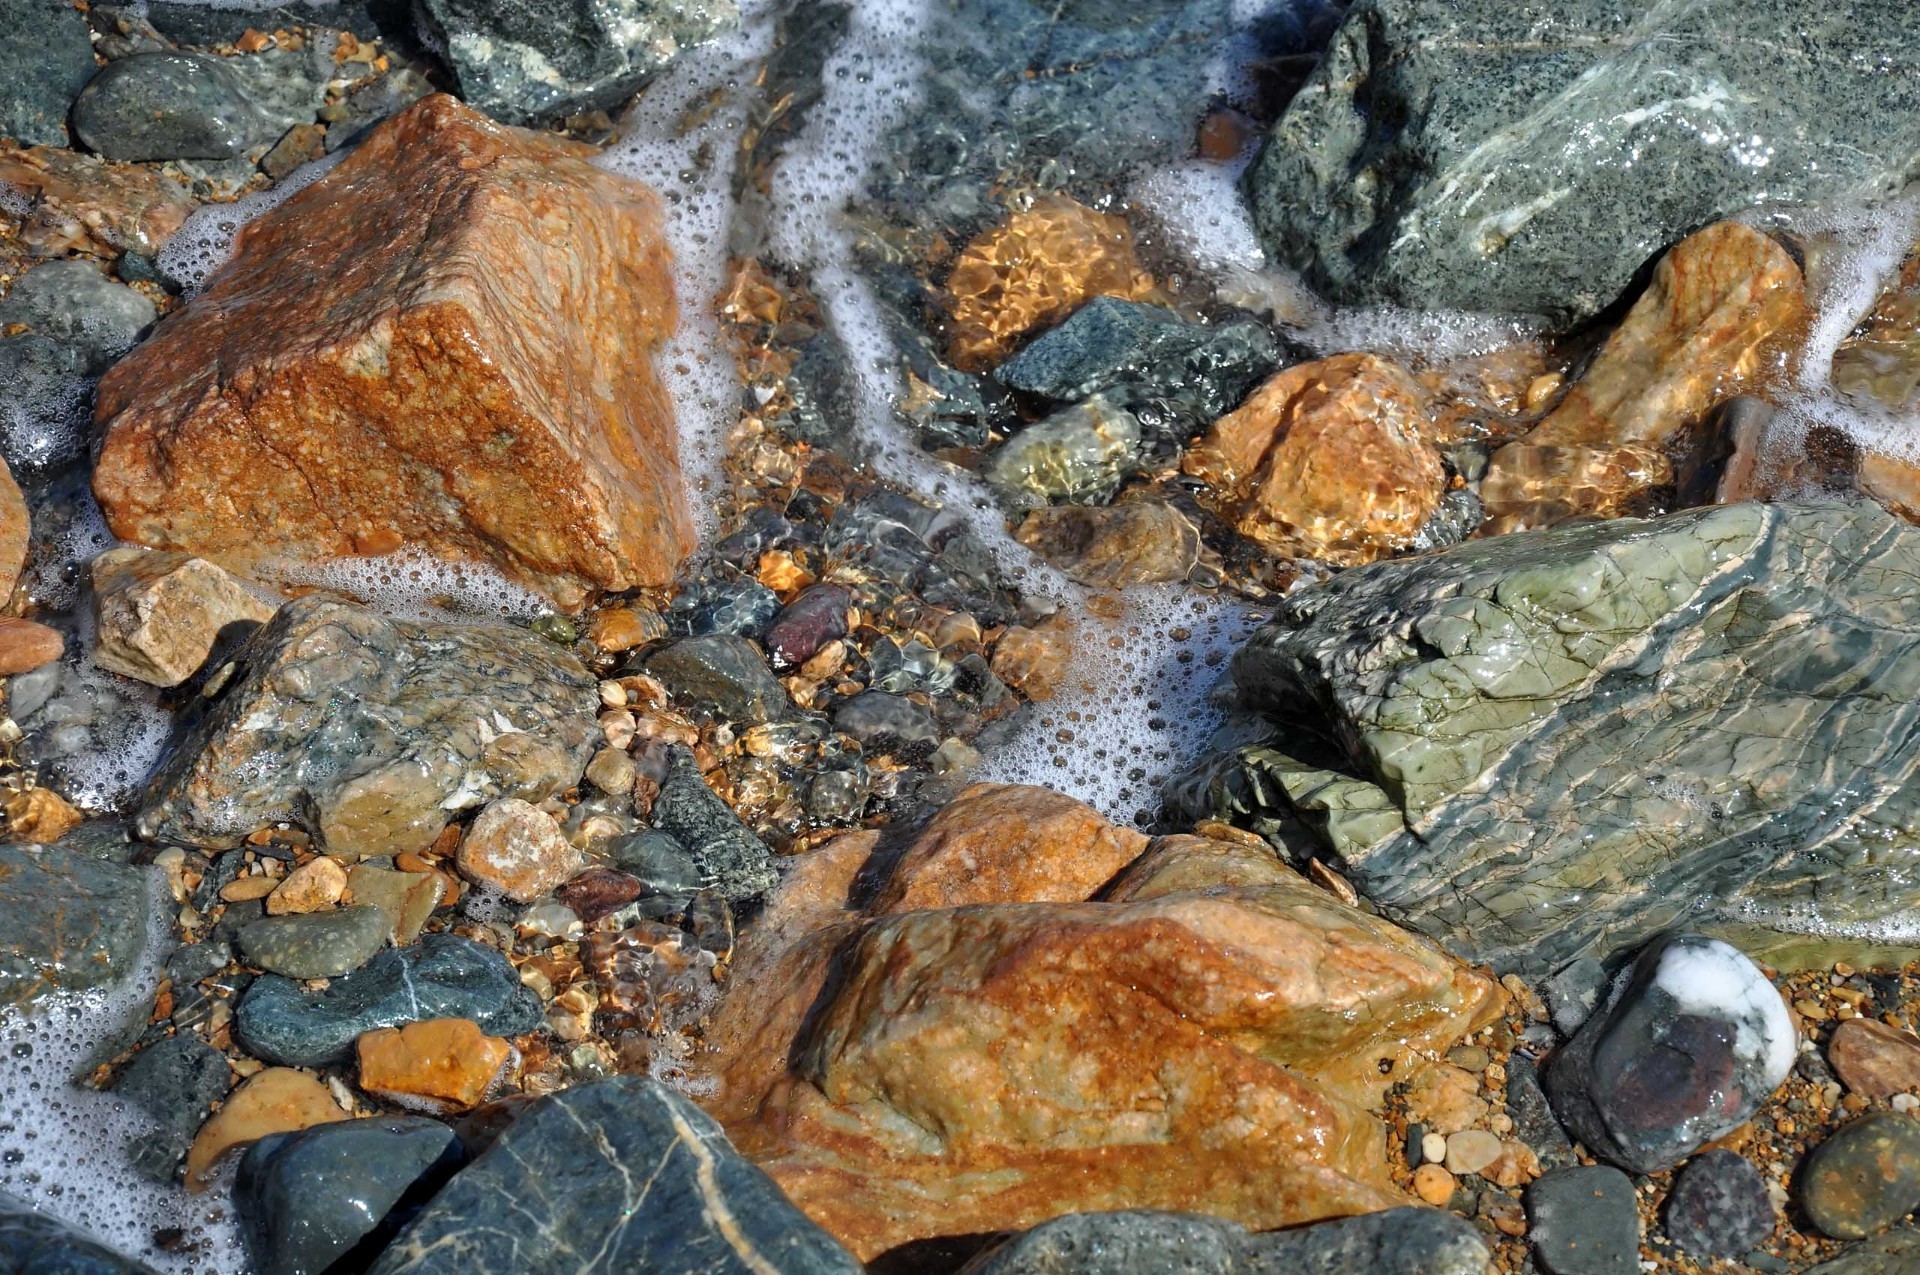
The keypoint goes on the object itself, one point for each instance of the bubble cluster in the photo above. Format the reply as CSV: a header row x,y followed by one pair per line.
x,y
413,584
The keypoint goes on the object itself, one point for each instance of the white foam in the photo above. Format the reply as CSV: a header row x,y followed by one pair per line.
x,y
205,241
1716,980
1196,207
413,584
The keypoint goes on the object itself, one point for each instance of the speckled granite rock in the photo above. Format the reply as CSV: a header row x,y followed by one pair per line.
x,y
32,1242
523,60
68,921
733,862
1542,741
371,732
44,63
650,1184
1460,154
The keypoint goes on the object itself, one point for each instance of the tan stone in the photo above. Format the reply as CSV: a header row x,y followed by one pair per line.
x,y
1516,1165
518,849
1035,660
38,815
16,529
1446,1099
247,889
160,613
1033,270
1432,1183
1115,546
621,628
408,897
444,343
318,883
277,1100
442,1065
1470,1151
1326,460
25,646
1875,1060
1880,359
83,204
1723,305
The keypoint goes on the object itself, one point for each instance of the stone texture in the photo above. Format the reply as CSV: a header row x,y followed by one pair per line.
x,y
1117,546
32,1242
318,883
160,106
733,862
25,646
1584,1221
1873,1059
1863,1178
46,61
1548,739
159,614
371,733
80,203
73,303
1035,659
1719,1206
277,1100
407,898
1536,164
442,1065
362,376
68,921
16,528
315,944
1722,307
176,1080
1206,1037
722,674
651,1184
1891,1254
1880,360
1325,460
517,849
1079,454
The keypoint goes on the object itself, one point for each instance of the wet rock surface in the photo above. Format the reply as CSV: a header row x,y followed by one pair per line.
x,y
166,106
373,732
158,614
1719,1206
1864,1178
68,921
47,60
732,861
176,1081
315,944
1874,1059
32,1241
1584,1222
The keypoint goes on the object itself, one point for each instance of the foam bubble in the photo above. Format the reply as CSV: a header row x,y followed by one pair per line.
x,y
205,241
1197,208
413,584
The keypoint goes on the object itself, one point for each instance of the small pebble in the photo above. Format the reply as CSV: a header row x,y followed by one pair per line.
x,y
1433,1148
1433,1184
1864,1178
1471,1150
1719,1206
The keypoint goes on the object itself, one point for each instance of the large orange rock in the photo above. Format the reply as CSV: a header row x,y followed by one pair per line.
x,y
1326,459
446,343
1206,1036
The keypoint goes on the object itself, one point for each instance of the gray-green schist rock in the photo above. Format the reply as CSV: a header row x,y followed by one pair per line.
x,y
36,1243
1584,1221
1078,455
1546,745
176,1081
1468,154
68,921
46,58
733,862
646,1182
156,106
316,944
1895,1253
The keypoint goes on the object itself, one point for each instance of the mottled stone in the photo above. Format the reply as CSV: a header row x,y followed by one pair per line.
x,y
68,921
1536,165
407,898
740,608
443,976
818,616
318,883
1873,1059
306,1200
158,614
176,1080
651,1183
1116,546
277,1100
1603,731
32,1242
1584,1221
882,723
1034,660
25,646
16,527
362,376
1719,1206
46,60
1722,307
1880,359
315,944
721,674
441,1065
597,892
1078,454
166,106
1863,1178
517,849
733,862
77,202
1894,1253
73,303
371,733
1325,460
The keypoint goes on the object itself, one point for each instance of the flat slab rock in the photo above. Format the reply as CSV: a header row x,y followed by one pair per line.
x,y
371,733
68,921
378,367
1552,743
648,1182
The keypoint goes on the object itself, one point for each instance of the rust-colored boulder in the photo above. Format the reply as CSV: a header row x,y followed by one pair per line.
x,y
1327,459
444,343
1722,306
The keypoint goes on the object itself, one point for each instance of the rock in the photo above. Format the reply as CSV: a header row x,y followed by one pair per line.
x,y
443,976
886,723
317,944
1502,706
47,60
370,733
1446,1099
651,1184
1863,1178
740,608
1879,361
301,144
661,864
1475,200
724,675
624,627
1033,1047
612,771
1404,1241
308,1199
318,883
159,614
1471,1150
277,1100
39,816
440,1065
523,63
1689,1045
517,849
1325,460
1078,454
25,646
34,1241
1116,547
73,303
1533,1120
733,862
68,921
1891,1254
176,1080
166,106
341,303
407,898
1873,1059
599,892
1035,660
1572,993
77,202
818,616
44,400
1432,1183
1719,1207
1033,270
16,527
1584,1221
1720,303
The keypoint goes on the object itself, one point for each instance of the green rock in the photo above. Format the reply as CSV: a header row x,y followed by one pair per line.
x,y
1475,155
1556,744
68,921
316,944
156,106
176,1080
723,674
46,58
1079,455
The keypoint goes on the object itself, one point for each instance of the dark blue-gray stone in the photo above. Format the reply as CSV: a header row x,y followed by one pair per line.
x,y
154,106
441,976
826,401
45,398
660,863
1719,1206
740,608
35,1243
1465,154
614,1176
721,674
46,58
882,721
315,944
337,1193
68,921
733,862
175,1080
1584,1221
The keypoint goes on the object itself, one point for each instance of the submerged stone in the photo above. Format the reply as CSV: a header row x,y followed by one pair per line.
x,y
371,733
1450,154
1116,546
32,1242
1078,454
1542,741
160,106
733,862
68,921
722,674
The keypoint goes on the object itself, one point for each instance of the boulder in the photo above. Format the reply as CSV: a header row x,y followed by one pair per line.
x,y
367,374
1452,154
158,615
1538,743
371,733
68,921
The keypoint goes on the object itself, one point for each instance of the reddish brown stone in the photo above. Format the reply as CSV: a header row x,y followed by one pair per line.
x,y
84,204
444,343
25,646
1034,661
16,527
599,891
1875,1060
